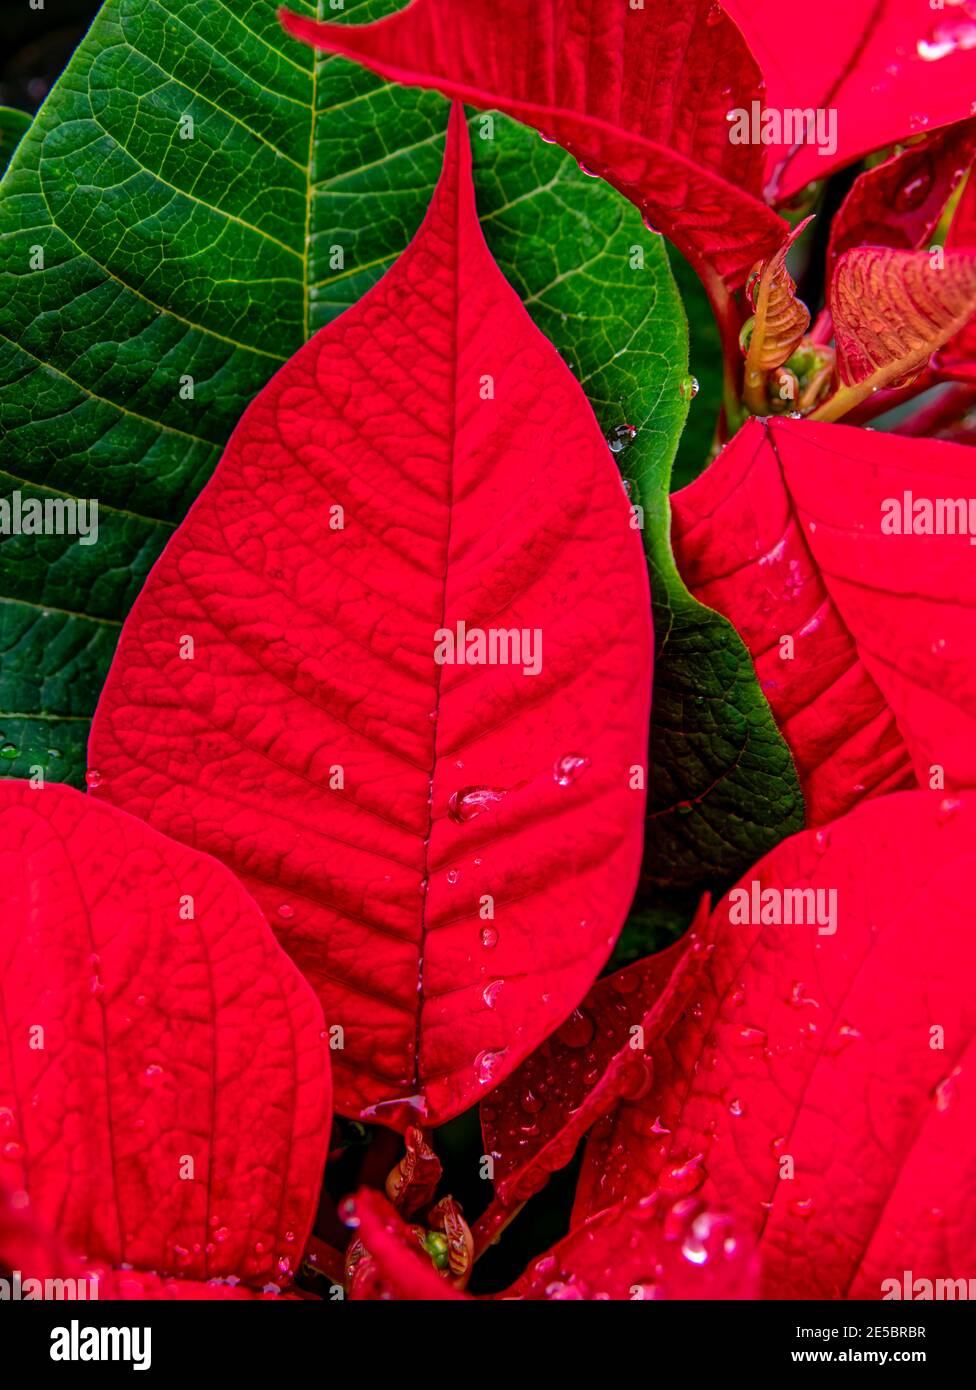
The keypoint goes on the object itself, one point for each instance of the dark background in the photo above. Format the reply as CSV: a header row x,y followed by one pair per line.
x,y
36,46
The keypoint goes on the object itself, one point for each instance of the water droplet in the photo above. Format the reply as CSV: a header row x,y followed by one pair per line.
x,y
152,1076
452,876
689,388
530,1102
736,1107
9,751
799,998
709,1234
491,992
578,1029
469,802
547,139
620,436
570,767
590,173
803,1206
948,37
13,1150
948,808
686,1177
93,778
715,15
914,191
945,1093
489,937
487,1065
822,840
286,912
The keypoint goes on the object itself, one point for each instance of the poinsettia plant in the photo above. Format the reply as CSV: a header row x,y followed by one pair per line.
x,y
444,858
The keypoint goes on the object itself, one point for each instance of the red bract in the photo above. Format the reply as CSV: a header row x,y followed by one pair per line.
x,y
862,639
819,1090
448,851
640,96
888,68
164,1086
899,202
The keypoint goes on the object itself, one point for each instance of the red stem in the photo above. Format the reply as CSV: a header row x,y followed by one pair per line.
x,y
945,409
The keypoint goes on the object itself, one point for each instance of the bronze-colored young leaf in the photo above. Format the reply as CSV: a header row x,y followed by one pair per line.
x,y
891,311
780,321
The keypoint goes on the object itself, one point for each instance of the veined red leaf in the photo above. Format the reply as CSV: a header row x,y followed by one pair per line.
x,y
35,1256
448,851
640,96
887,69
821,1090
164,1086
899,203
534,1121
862,640
891,310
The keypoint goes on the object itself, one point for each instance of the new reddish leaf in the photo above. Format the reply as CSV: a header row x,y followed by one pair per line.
x,y
164,1086
888,69
447,851
874,689
392,1265
820,1091
640,96
891,310
899,203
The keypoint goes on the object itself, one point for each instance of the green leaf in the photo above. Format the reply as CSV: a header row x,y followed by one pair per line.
x,y
212,257
705,361
13,125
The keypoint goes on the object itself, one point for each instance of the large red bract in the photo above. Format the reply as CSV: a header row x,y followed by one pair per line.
x,y
447,851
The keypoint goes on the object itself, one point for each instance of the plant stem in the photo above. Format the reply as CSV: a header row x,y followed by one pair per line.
x,y
727,318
